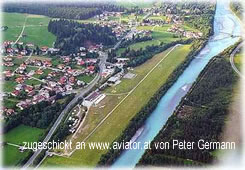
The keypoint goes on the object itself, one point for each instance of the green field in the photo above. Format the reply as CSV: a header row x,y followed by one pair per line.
x,y
159,34
9,86
18,135
121,116
36,30
238,60
85,78
134,3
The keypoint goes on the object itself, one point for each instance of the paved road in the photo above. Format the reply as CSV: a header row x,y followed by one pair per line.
x,y
103,57
232,59
69,106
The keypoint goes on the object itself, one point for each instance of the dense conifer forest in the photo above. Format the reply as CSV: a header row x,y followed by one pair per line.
x,y
72,35
201,115
69,10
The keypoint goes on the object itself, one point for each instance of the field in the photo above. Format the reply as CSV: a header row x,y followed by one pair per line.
x,y
238,60
134,3
119,96
35,31
159,34
18,135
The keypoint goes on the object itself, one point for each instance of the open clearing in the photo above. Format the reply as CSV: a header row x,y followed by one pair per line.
x,y
119,119
36,28
18,135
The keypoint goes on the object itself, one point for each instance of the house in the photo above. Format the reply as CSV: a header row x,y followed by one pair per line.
x,y
23,104
47,63
72,80
80,62
8,73
30,45
80,83
39,72
15,93
19,87
61,66
7,59
8,64
44,49
19,80
62,80
91,68
113,80
82,48
94,98
28,89
9,111
68,87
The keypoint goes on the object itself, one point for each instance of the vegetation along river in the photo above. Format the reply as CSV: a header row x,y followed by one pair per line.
x,y
227,30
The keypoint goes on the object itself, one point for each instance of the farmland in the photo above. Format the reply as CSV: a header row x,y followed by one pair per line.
x,y
120,117
35,28
18,135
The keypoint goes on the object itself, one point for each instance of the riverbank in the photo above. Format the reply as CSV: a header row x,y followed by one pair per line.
x,y
142,115
201,114
120,117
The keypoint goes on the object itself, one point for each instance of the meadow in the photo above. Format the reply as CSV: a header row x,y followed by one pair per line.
x,y
120,117
36,28
18,135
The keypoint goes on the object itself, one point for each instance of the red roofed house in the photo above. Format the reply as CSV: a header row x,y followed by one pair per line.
x,y
15,93
39,71
91,68
28,89
19,80
62,80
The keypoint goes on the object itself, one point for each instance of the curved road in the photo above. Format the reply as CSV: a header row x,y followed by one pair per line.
x,y
232,59
103,57
69,106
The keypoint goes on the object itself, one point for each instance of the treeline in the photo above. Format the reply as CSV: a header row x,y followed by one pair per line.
x,y
185,8
237,8
78,10
39,115
72,35
199,15
209,101
138,57
135,39
141,116
203,23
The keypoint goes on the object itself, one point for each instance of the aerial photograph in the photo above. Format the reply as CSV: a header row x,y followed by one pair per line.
x,y
121,84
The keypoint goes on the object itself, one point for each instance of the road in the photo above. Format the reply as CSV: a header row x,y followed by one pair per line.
x,y
232,59
67,108
103,58
21,32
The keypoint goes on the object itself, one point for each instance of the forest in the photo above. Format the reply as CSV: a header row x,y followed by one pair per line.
x,y
72,35
202,114
39,115
237,8
197,15
69,10
137,122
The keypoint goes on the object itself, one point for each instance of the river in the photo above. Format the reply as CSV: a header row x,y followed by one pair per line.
x,y
225,25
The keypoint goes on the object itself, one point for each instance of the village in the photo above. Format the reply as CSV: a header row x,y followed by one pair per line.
x,y
39,75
